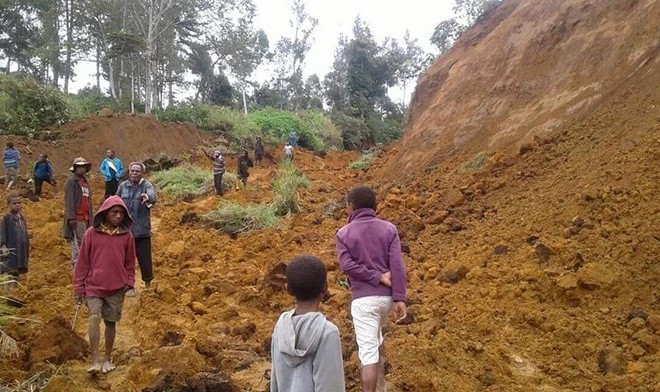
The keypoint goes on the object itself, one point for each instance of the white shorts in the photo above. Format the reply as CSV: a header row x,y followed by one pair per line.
x,y
369,318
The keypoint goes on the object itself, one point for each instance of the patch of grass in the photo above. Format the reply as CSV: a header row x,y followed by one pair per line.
x,y
233,218
285,186
364,162
184,182
477,163
187,182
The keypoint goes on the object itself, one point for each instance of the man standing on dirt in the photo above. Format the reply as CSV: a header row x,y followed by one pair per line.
x,y
78,212
369,252
111,169
10,159
139,196
218,170
104,272
258,151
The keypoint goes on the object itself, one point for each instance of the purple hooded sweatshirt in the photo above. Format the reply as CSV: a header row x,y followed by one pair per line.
x,y
367,247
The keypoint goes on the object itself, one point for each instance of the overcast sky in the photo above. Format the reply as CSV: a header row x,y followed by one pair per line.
x,y
384,17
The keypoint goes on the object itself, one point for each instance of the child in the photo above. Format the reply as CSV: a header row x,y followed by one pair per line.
x,y
258,151
14,238
369,252
43,172
105,270
306,348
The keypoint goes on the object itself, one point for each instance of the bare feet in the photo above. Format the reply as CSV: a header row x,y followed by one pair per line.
x,y
147,285
130,293
108,367
95,369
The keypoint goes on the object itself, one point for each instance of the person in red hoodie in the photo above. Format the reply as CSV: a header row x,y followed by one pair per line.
x,y
105,270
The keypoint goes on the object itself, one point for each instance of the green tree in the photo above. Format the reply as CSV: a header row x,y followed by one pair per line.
x,y
446,33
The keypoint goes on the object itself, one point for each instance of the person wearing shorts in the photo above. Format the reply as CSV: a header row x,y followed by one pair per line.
x,y
369,252
10,159
105,270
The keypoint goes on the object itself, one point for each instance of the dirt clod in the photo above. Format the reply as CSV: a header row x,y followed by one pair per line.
x,y
57,343
611,361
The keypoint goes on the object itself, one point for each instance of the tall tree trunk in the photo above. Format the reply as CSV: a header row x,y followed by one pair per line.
x,y
8,65
170,92
69,43
98,66
132,87
244,103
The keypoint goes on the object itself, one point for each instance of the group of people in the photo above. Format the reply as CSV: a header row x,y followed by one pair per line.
x,y
306,347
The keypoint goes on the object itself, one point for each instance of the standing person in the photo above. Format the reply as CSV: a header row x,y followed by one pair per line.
x,y
111,169
104,271
293,138
258,151
14,237
139,196
43,172
244,164
288,151
369,252
78,212
10,160
218,170
306,349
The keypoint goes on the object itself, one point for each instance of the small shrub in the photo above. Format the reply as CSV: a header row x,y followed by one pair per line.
x,y
363,163
233,218
477,162
196,114
285,186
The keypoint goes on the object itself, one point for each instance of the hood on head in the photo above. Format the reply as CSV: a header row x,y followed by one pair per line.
x,y
299,336
108,204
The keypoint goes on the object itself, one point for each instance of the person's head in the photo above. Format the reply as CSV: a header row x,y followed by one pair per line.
x,y
135,172
43,157
14,203
80,166
287,144
216,153
258,138
360,197
306,278
110,153
245,153
10,145
114,216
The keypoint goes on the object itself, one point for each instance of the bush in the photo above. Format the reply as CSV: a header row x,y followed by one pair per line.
x,y
88,101
363,163
196,114
232,218
322,128
27,107
285,186
354,131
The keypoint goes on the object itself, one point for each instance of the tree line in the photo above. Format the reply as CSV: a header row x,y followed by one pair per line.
x,y
146,50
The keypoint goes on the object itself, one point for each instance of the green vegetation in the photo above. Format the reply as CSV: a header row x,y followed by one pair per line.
x,y
364,162
27,107
285,186
476,163
233,218
187,182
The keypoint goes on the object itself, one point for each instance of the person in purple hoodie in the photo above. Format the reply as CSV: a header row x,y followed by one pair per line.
x,y
369,252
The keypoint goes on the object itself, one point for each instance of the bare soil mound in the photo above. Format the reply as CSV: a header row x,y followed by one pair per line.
x,y
57,343
529,69
134,137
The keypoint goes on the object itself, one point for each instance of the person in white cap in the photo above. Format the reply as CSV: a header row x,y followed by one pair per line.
x,y
78,211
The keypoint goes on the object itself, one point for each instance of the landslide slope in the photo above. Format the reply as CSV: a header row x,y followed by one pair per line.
x,y
529,68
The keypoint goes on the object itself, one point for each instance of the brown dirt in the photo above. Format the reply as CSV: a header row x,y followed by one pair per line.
x,y
538,271
57,343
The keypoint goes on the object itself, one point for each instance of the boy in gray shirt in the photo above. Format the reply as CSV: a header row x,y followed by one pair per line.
x,y
306,348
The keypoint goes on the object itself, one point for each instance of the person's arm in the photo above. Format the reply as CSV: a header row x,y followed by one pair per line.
x,y
355,271
120,168
103,168
151,194
328,366
83,264
3,233
129,260
69,204
273,375
397,270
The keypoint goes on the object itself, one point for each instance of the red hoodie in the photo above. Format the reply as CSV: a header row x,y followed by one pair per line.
x,y
106,263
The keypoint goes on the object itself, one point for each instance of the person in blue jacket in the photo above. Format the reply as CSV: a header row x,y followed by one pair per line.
x,y
111,169
10,160
43,172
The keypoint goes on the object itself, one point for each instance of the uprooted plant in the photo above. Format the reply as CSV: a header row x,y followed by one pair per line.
x,y
233,218
285,186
